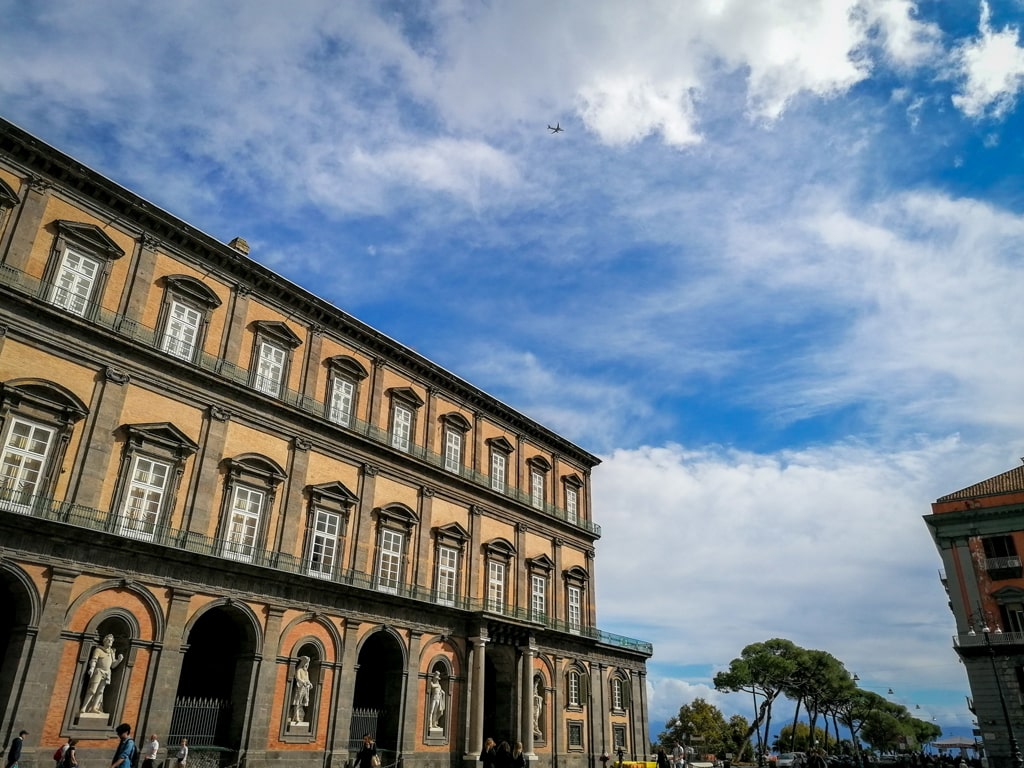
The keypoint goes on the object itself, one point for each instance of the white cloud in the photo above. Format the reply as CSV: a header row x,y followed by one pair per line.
x,y
807,545
992,68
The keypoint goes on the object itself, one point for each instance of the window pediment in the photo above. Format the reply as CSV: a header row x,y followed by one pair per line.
x,y
348,366
406,395
1009,595
190,288
335,492
398,515
456,421
275,330
453,534
572,480
576,575
500,444
253,465
8,198
90,236
501,548
162,434
44,396
541,563
539,463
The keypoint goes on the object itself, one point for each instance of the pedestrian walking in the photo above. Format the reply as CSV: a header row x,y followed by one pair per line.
x,y
678,755
489,754
367,757
125,750
518,758
149,756
14,752
503,758
663,758
182,756
70,759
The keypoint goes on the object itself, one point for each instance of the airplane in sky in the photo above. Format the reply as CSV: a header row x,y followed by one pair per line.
x,y
557,129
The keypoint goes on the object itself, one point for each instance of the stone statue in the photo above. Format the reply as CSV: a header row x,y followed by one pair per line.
x,y
300,691
437,697
101,662
538,705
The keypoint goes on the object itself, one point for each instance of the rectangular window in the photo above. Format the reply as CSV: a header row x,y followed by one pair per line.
x,y
270,369
452,450
538,597
145,498
74,281
619,736
496,587
244,523
571,505
22,463
499,463
323,547
447,573
575,734
401,427
182,331
389,566
342,394
574,609
537,488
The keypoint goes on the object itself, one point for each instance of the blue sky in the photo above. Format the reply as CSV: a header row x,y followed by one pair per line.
x,y
769,273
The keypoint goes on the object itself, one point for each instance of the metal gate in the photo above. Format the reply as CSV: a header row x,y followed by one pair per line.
x,y
198,720
363,721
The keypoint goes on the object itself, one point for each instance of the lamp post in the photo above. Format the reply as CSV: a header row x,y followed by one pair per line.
x,y
1018,760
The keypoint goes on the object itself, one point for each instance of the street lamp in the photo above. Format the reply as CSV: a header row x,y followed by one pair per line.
x,y
1018,760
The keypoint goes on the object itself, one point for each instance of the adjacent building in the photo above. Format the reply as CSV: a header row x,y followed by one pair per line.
x,y
979,532
231,512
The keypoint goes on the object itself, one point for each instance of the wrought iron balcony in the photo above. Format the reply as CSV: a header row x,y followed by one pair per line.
x,y
243,377
16,502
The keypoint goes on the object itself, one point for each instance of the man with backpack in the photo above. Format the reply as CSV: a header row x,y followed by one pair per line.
x,y
124,755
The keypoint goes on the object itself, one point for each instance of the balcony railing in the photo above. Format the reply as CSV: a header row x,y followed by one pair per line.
x,y
1002,563
13,501
996,639
149,337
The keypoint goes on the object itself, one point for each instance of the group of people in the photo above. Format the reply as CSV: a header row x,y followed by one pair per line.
x,y
502,755
66,755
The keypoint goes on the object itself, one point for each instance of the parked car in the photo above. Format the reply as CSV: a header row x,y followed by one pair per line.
x,y
791,760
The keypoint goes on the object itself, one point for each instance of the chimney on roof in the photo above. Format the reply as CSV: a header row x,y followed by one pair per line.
x,y
240,245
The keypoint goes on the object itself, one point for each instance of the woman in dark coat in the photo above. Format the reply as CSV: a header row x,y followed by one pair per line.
x,y
364,757
663,758
504,756
490,755
518,758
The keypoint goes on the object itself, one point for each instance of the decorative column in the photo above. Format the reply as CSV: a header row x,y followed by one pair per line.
x,y
168,660
293,510
363,540
345,681
203,489
408,740
106,408
529,690
28,223
475,732
261,704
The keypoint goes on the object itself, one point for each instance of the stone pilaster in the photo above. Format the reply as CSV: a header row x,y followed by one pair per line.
x,y
342,720
414,693
523,596
41,678
105,418
262,703
363,538
203,494
377,394
234,329
558,588
528,691
293,508
168,658
27,224
426,554
432,425
310,384
475,710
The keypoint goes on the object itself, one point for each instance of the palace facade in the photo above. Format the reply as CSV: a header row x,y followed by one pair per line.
x,y
979,533
233,513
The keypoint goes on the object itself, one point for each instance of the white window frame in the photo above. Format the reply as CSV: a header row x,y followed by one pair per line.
x,y
144,499
537,488
69,281
323,543
23,467
389,560
243,523
343,393
181,330
452,450
571,505
617,700
538,597
495,586
499,471
574,608
447,575
270,367
401,426
573,694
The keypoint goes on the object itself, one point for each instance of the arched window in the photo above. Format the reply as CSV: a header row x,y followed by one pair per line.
x,y
252,482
